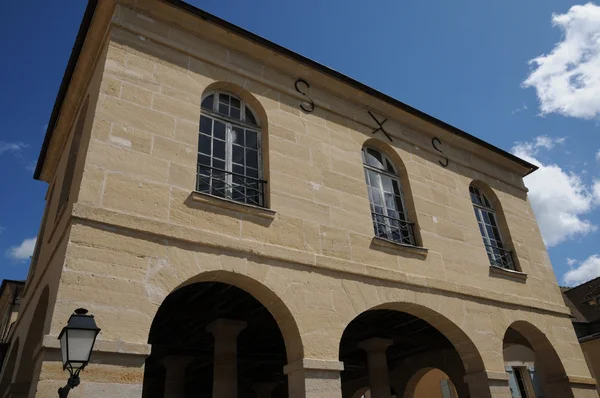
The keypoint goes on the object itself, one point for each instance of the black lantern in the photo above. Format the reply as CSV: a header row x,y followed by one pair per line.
x,y
76,343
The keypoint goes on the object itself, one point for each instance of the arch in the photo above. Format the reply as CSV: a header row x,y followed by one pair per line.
x,y
33,340
9,367
263,125
402,174
464,346
417,382
549,367
269,299
496,205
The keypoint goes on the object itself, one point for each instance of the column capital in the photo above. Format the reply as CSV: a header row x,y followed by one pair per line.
x,y
223,326
375,345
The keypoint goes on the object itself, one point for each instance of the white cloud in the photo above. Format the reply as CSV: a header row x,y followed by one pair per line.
x,y
587,270
598,155
523,108
23,251
567,80
560,199
14,147
571,262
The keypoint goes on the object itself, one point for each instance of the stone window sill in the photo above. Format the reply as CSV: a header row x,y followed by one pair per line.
x,y
517,275
229,204
390,244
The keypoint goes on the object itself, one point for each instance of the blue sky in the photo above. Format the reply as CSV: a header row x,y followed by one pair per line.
x,y
466,62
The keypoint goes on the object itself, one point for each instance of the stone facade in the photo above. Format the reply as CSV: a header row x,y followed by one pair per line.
x,y
124,227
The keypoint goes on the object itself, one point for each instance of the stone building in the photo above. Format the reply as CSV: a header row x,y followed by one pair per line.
x,y
10,300
245,222
584,303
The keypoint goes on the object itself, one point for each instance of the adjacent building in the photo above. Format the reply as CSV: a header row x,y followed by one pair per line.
x,y
10,300
245,222
584,303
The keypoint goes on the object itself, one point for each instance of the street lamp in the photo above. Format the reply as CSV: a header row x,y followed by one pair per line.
x,y
76,343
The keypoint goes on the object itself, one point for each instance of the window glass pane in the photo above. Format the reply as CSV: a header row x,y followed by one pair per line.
x,y
250,117
235,102
224,99
251,158
376,195
205,125
387,183
219,149
238,135
252,172
204,160
218,164
219,130
204,144
236,114
373,179
207,103
374,159
390,167
390,201
238,169
251,139
223,109
238,154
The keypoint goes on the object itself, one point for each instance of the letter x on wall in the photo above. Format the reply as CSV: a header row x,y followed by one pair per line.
x,y
380,128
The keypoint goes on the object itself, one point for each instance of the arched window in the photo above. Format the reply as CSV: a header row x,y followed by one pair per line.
x,y
229,150
388,210
490,232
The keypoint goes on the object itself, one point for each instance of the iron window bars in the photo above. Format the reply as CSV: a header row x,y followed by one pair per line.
x,y
229,150
386,199
488,226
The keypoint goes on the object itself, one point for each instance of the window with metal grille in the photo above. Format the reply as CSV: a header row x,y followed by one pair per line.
x,y
388,210
498,255
229,150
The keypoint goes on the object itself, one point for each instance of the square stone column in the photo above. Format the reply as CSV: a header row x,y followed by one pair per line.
x,y
175,366
225,332
379,379
314,378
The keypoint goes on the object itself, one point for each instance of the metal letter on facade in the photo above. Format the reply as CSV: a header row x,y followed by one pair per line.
x,y
380,128
433,143
311,107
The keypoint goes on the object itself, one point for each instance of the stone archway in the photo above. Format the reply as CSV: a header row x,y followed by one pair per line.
x,y
398,335
223,330
547,375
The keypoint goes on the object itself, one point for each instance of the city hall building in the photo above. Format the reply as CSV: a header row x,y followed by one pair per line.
x,y
245,222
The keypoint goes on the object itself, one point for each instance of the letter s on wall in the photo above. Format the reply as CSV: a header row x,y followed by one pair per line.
x,y
311,107
434,142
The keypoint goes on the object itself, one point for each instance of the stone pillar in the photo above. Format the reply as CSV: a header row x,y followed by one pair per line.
x,y
175,366
225,332
263,390
379,379
18,390
488,384
314,378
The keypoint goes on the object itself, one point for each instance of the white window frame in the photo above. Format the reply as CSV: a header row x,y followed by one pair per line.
x,y
229,124
394,177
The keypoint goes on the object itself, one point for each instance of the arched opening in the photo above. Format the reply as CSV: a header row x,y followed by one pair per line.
x,y
392,205
430,383
210,338
9,368
33,342
534,368
233,146
493,227
383,347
